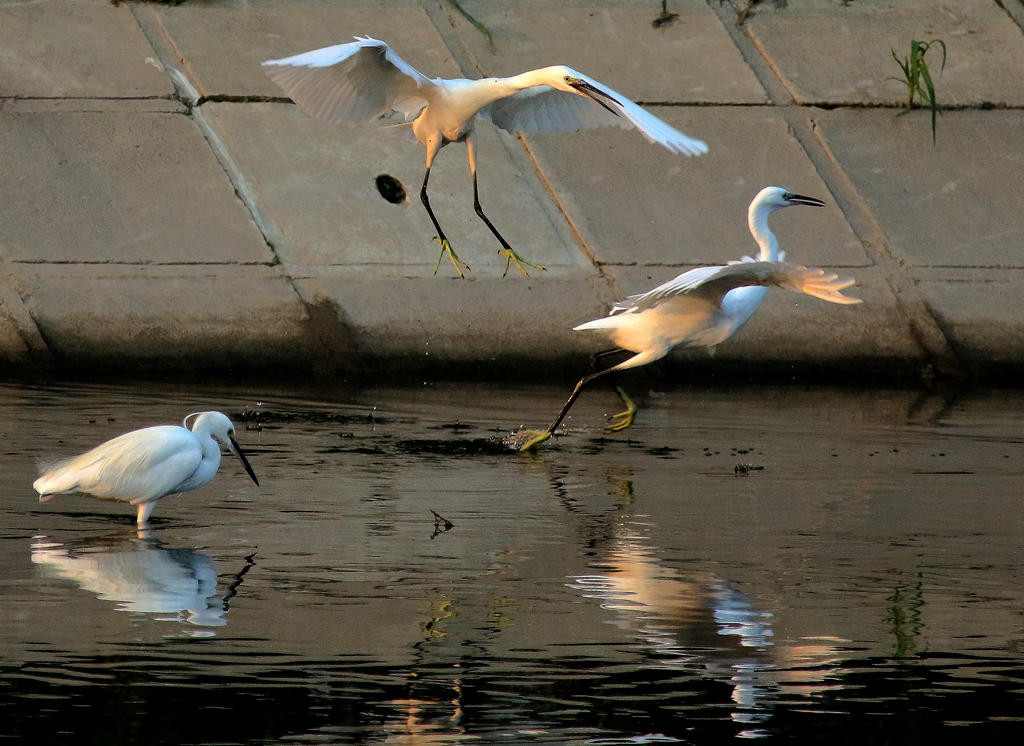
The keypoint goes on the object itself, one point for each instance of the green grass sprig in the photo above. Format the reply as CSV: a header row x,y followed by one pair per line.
x,y
918,78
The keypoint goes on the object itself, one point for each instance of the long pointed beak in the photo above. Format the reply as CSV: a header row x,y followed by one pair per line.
x,y
593,93
800,199
241,457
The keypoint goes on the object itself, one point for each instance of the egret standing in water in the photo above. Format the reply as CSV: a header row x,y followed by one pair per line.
x,y
144,465
364,80
702,307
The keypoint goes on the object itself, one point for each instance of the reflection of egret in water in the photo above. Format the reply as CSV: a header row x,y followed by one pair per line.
x,y
143,576
698,622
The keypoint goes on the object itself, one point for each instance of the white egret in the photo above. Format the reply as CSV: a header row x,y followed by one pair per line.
x,y
144,465
365,79
702,307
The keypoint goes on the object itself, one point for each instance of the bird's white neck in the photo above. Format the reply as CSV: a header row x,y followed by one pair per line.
x,y
492,89
757,219
209,444
541,76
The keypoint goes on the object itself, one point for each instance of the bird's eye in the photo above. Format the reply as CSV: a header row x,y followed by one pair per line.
x,y
568,79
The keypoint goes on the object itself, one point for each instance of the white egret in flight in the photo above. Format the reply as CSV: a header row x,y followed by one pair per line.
x,y
144,465
364,80
701,307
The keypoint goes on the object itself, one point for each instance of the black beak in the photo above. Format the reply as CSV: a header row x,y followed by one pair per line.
x,y
241,457
592,92
799,199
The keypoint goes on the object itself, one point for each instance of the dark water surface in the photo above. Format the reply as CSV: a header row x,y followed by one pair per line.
x,y
862,582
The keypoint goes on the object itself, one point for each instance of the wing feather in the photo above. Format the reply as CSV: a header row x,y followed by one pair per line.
x,y
547,109
348,83
676,286
138,466
713,283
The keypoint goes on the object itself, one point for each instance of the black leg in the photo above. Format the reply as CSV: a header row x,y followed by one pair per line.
x,y
620,420
506,250
599,356
446,247
541,437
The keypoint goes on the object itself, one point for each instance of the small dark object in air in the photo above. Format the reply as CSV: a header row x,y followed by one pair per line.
x,y
391,189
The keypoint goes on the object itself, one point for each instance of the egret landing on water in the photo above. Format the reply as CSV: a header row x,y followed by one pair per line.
x,y
699,308
364,80
144,465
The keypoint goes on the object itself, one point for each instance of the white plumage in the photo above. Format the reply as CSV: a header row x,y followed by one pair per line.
x,y
691,308
704,306
364,80
143,466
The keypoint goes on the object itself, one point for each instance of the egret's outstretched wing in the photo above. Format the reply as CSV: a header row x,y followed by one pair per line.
x,y
547,109
676,286
712,284
143,463
808,280
354,82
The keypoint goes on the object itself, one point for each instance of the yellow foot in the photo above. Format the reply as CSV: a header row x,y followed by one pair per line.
x,y
622,420
526,440
446,248
539,437
511,256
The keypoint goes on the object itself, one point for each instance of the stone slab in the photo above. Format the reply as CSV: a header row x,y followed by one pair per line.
x,y
92,106
980,311
316,184
80,48
399,326
955,203
636,203
403,327
220,63
117,187
21,344
13,350
123,240
842,54
689,60
247,319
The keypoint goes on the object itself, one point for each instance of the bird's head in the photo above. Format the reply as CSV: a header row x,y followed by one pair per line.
x,y
219,426
775,198
567,79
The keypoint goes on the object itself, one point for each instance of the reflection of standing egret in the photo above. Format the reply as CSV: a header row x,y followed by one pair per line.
x,y
143,466
142,576
365,79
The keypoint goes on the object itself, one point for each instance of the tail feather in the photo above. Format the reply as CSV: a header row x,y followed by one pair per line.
x,y
605,322
52,484
63,476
